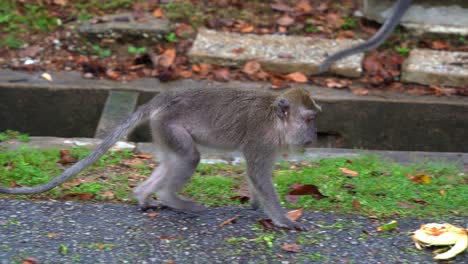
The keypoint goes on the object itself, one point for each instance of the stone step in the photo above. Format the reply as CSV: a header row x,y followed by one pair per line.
x,y
124,28
434,67
119,105
432,16
277,53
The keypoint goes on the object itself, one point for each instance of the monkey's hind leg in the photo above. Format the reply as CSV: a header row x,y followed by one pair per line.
x,y
144,191
181,159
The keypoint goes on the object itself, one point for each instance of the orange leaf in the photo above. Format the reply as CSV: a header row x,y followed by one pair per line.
x,y
285,21
143,156
293,248
306,189
356,204
167,58
30,260
439,45
79,196
251,67
348,172
153,214
420,178
230,220
158,13
297,77
247,29
222,75
295,214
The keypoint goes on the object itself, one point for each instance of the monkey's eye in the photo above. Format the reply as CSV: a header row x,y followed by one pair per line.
x,y
309,116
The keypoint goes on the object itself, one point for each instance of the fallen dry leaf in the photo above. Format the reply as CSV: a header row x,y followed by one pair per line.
x,y
281,7
247,29
52,235
60,2
438,44
360,91
335,20
266,223
238,50
242,198
306,189
114,75
47,76
30,260
143,156
167,58
230,220
348,172
420,178
158,13
153,214
294,248
65,157
79,196
222,75
295,214
303,6
297,77
108,195
333,83
285,21
356,204
251,67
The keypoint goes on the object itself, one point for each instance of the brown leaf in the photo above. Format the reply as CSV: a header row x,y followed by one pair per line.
x,y
167,58
293,248
332,83
65,157
108,195
295,214
285,21
334,20
348,172
251,67
238,50
52,235
360,91
303,6
439,44
202,69
281,7
356,204
184,74
297,77
158,13
30,260
307,189
247,29
131,163
143,156
345,34
230,220
372,64
60,2
420,178
406,206
222,75
79,196
114,75
153,214
184,30
418,201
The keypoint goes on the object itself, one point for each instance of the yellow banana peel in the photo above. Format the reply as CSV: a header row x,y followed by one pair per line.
x,y
434,234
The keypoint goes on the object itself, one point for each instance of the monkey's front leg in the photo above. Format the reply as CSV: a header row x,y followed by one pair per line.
x,y
259,171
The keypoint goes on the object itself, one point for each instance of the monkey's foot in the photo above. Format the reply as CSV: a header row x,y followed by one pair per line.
x,y
290,224
183,204
151,204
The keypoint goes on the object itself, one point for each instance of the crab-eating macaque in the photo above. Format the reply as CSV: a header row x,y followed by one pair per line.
x,y
399,9
259,123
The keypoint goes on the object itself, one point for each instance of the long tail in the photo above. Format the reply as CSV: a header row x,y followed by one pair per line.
x,y
384,32
134,119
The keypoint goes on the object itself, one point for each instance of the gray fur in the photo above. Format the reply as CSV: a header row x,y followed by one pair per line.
x,y
399,9
251,121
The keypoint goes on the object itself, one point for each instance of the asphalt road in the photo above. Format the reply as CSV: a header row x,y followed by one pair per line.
x,y
74,232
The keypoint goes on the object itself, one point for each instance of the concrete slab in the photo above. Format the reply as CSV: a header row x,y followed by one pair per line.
x,y
380,120
125,28
436,67
119,105
278,53
432,16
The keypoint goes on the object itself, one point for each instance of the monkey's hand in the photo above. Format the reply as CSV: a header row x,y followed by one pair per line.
x,y
285,222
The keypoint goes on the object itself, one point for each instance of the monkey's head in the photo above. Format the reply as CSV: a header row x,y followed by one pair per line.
x,y
296,111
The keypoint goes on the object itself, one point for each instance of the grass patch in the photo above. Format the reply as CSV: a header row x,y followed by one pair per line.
x,y
381,188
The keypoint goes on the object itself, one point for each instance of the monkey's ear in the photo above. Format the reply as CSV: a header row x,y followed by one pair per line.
x,y
282,108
